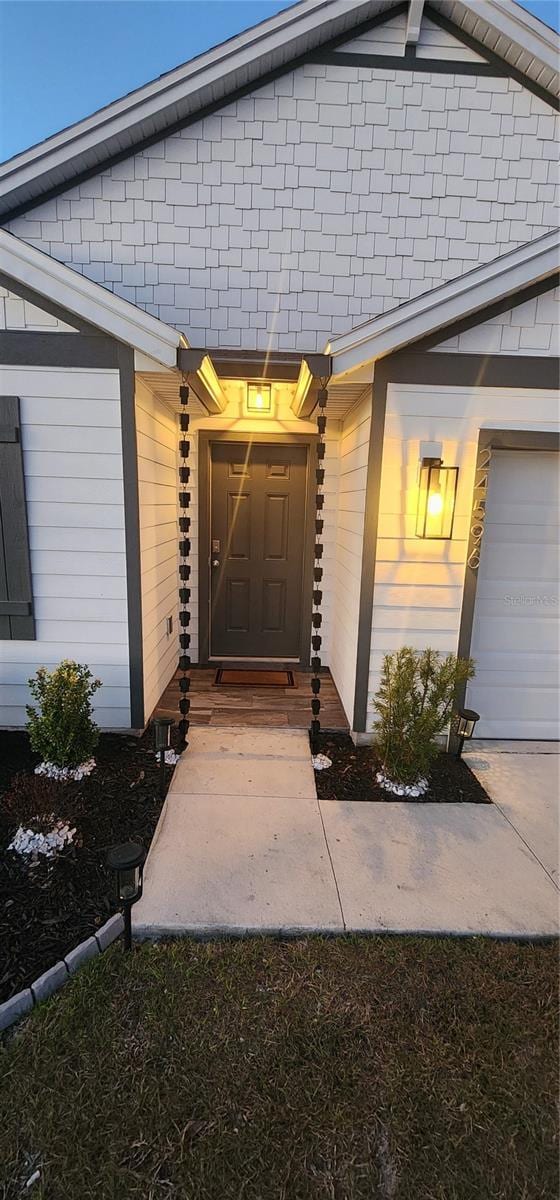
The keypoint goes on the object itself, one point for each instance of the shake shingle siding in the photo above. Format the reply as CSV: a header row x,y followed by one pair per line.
x,y
321,199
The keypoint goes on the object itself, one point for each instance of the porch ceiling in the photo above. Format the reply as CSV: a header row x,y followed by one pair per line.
x,y
344,394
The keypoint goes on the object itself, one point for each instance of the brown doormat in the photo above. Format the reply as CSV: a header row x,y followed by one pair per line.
x,y
240,677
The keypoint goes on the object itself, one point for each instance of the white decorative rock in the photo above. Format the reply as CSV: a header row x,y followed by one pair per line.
x,y
110,931
27,842
54,772
321,762
49,982
396,789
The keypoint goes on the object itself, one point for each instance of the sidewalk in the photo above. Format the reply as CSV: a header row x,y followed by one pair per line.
x,y
244,846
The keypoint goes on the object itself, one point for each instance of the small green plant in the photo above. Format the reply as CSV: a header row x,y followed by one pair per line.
x,y
414,705
62,731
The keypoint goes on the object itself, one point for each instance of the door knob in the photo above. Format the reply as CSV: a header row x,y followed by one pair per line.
x,y
215,562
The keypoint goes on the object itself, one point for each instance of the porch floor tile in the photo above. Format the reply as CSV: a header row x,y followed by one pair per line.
x,y
264,707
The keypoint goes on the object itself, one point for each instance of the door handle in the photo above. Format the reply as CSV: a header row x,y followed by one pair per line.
x,y
215,562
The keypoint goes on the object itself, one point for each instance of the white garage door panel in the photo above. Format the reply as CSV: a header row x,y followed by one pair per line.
x,y
520,561
516,635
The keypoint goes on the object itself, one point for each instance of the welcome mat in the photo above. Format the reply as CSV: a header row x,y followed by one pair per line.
x,y
241,677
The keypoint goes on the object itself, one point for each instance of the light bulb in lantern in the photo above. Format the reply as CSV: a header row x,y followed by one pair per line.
x,y
435,504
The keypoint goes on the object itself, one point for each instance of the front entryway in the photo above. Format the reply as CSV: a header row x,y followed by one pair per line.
x,y
257,538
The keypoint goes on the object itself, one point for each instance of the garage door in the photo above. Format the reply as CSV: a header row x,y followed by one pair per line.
x,y
515,635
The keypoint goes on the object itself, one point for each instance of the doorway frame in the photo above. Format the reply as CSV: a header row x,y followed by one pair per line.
x,y
206,437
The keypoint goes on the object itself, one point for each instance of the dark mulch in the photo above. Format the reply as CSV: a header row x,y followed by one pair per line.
x,y
352,776
47,908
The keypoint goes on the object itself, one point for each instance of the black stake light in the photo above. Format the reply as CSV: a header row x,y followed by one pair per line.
x,y
466,721
184,573
127,861
162,727
317,618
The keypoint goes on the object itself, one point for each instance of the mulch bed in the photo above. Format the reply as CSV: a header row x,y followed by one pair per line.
x,y
352,776
48,908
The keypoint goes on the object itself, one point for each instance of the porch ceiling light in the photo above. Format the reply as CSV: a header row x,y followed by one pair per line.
x,y
436,499
259,398
127,862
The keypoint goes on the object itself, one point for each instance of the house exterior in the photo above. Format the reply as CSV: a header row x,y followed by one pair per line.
x,y
348,211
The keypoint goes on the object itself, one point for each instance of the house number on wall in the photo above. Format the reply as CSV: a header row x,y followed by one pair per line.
x,y
479,506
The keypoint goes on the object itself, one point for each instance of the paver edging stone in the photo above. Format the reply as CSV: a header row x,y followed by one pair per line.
x,y
55,977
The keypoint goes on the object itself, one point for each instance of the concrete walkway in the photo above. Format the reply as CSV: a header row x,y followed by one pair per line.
x,y
244,846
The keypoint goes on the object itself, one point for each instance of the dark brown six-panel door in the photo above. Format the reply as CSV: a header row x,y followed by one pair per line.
x,y
257,524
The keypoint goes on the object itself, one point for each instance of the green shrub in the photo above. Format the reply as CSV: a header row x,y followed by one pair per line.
x,y
62,732
414,704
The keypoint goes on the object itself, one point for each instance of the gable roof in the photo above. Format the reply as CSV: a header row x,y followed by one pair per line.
x,y
208,81
95,304
426,314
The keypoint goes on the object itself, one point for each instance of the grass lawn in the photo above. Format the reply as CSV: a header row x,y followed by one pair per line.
x,y
339,1069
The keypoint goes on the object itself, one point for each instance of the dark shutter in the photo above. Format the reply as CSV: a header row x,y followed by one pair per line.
x,y
16,598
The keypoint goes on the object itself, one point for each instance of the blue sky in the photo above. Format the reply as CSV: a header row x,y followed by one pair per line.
x,y
59,61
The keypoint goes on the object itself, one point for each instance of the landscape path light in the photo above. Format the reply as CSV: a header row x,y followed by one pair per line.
x,y
466,721
127,861
162,737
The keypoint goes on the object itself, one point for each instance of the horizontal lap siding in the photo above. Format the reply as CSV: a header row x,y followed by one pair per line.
x,y
156,433
72,453
353,457
419,583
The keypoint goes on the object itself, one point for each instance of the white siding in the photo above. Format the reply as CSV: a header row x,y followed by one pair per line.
x,y
389,38
354,448
438,43
16,313
323,198
157,436
71,439
529,328
419,583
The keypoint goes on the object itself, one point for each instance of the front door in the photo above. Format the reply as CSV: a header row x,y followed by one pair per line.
x,y
257,532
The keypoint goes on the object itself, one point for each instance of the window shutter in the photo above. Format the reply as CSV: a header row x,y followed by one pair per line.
x,y
16,598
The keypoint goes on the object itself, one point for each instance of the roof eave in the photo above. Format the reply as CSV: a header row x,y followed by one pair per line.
x,y
96,305
435,310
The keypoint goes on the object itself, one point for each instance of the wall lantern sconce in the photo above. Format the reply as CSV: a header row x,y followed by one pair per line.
x,y
162,737
127,861
259,398
466,721
436,499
